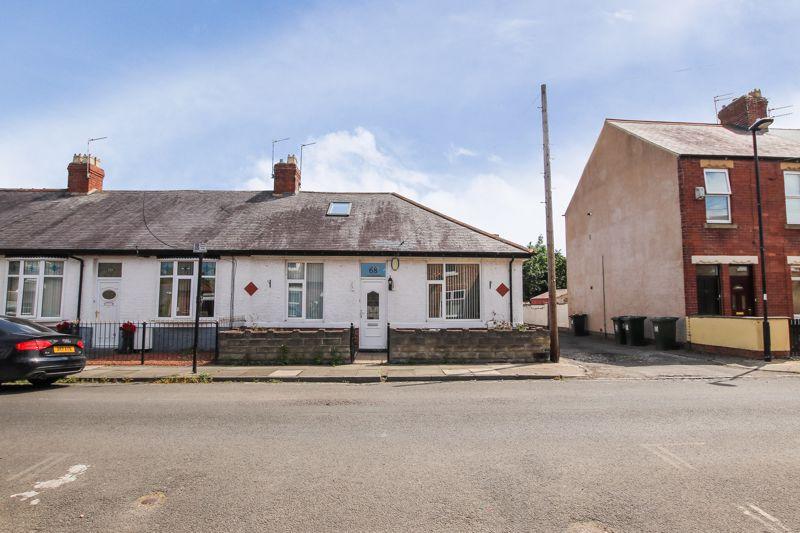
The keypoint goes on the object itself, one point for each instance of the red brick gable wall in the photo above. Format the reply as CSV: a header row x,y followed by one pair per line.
x,y
700,239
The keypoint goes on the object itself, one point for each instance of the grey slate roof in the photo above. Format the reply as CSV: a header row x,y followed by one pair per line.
x,y
234,221
686,138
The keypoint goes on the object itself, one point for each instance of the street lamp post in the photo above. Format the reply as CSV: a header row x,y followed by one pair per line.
x,y
199,249
760,125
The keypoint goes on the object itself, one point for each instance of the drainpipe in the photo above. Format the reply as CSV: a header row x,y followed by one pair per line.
x,y
80,284
233,292
511,291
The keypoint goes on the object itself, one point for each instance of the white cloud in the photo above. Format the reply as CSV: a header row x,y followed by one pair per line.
x,y
459,151
625,15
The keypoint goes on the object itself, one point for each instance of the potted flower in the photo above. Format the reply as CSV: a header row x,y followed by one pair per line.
x,y
69,328
127,330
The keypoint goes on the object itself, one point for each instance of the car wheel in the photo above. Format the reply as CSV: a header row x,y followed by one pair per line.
x,y
43,382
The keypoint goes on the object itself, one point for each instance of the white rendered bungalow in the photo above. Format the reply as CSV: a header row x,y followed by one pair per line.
x,y
280,259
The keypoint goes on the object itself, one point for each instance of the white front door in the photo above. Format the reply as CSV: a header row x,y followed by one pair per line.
x,y
106,332
372,332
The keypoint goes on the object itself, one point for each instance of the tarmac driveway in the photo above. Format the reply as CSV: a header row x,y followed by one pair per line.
x,y
603,358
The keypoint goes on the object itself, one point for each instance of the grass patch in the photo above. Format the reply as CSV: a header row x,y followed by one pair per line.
x,y
202,377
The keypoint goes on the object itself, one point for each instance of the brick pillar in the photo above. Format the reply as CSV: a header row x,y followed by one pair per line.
x,y
725,290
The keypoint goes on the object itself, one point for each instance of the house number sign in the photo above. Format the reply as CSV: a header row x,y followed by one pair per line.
x,y
373,270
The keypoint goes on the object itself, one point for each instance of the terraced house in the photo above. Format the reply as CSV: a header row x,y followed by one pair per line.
x,y
280,259
663,223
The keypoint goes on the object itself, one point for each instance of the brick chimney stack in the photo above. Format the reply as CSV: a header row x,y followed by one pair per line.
x,y
287,177
743,111
84,174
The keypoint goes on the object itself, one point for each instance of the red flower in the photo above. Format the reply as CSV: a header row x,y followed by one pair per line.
x,y
65,326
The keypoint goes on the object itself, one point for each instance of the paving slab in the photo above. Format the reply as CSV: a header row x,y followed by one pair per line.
x,y
484,372
284,373
456,371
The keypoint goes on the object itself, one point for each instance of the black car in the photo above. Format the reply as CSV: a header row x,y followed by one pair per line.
x,y
37,353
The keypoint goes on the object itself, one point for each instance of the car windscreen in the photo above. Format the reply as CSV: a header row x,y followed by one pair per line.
x,y
17,326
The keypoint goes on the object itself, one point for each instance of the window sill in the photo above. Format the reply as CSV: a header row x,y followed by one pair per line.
x,y
724,225
792,226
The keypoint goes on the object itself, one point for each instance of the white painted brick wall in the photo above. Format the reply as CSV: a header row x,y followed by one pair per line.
x,y
407,303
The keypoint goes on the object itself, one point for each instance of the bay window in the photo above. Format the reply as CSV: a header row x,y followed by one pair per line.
x,y
177,289
304,288
454,291
34,288
718,196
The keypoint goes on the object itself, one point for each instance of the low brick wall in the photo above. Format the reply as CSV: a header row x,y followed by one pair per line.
x,y
285,346
468,345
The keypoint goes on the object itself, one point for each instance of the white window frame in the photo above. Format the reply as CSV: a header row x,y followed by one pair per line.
x,y
192,284
788,197
39,290
331,209
443,301
302,283
214,296
727,195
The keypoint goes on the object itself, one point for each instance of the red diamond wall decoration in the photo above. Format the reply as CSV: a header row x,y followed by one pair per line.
x,y
250,288
502,289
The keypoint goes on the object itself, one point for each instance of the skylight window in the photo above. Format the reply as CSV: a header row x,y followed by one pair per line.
x,y
339,209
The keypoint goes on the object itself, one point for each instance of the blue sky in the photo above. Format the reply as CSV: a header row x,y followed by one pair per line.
x,y
435,100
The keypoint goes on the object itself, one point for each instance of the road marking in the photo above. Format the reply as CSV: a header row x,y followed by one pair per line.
x,y
23,496
49,461
771,523
669,457
71,475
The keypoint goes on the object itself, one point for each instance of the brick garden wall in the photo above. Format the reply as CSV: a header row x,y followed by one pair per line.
x,y
284,346
467,345
741,237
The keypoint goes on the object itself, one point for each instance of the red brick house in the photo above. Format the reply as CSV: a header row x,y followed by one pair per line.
x,y
663,221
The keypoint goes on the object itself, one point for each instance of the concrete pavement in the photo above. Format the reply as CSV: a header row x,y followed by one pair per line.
x,y
355,373
572,455
603,358
582,357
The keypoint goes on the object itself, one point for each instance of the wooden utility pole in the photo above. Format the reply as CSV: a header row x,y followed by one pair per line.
x,y
555,350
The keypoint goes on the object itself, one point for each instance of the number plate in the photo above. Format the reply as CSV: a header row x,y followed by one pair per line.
x,y
63,349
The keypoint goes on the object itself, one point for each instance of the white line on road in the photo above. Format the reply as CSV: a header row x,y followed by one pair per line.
x,y
771,523
652,448
678,459
47,462
669,457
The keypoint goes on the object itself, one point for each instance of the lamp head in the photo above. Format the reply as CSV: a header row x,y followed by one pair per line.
x,y
762,124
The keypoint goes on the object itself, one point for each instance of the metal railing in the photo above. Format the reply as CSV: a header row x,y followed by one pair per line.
x,y
794,336
147,341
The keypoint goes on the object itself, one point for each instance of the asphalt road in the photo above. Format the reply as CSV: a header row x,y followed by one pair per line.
x,y
587,456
